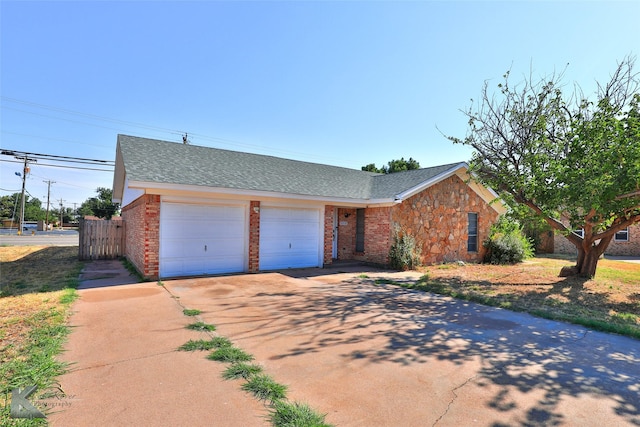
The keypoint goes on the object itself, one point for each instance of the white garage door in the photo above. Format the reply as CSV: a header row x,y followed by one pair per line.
x,y
201,239
289,238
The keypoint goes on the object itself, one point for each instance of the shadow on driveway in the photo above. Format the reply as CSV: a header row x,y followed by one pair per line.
x,y
371,354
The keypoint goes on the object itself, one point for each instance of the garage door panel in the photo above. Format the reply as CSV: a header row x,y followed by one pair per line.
x,y
307,246
289,238
201,239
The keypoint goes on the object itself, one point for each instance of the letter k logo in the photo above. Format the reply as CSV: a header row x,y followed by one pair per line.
x,y
21,407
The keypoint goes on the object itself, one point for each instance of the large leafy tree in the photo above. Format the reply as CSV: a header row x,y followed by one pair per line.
x,y
573,161
10,207
101,206
393,166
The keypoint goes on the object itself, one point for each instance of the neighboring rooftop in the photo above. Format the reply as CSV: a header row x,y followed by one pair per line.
x,y
153,161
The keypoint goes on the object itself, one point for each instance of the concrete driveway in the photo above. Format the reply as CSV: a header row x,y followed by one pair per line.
x,y
364,354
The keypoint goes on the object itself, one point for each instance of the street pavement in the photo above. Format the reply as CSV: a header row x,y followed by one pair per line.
x,y
39,238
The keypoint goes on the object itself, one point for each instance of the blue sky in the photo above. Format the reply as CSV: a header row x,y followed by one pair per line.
x,y
343,83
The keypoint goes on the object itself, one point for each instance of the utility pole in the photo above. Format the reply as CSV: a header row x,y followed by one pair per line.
x,y
25,171
61,213
46,222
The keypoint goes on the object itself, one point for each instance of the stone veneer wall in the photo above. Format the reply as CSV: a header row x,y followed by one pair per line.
x,y
437,218
142,218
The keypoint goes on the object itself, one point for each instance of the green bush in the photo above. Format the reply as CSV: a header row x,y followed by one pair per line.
x,y
404,253
507,244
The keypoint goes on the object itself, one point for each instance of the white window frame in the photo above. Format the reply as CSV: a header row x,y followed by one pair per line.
x,y
624,231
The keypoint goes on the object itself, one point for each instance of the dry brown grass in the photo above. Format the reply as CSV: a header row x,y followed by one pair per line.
x,y
612,296
32,280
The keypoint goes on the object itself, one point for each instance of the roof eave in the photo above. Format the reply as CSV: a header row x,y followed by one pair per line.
x,y
171,189
428,183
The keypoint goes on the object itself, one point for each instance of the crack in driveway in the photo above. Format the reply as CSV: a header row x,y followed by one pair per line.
x,y
455,396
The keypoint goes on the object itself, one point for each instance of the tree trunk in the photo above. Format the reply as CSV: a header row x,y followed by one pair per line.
x,y
588,256
588,264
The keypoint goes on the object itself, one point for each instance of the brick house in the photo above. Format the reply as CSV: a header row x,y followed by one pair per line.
x,y
625,243
195,210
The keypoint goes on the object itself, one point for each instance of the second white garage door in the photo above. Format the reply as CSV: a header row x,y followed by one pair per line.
x,y
289,238
201,239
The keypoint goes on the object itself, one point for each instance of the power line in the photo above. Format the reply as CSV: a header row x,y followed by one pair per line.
x,y
61,159
91,116
215,140
10,152
63,167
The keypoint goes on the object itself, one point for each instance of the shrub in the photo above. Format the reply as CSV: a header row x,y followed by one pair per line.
x,y
507,243
404,253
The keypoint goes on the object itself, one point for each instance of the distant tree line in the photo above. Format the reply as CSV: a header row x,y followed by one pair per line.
x,y
100,206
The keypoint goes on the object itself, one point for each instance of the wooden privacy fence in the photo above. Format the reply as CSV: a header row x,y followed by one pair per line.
x,y
101,239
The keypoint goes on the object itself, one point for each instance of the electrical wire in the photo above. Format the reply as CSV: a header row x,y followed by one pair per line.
x,y
52,157
91,116
60,166
173,132
66,158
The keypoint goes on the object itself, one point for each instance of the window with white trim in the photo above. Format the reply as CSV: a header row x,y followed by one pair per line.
x,y
579,232
622,235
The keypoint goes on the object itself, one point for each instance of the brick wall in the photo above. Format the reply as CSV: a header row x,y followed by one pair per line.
x,y
629,248
254,237
143,234
346,233
328,234
377,235
561,245
437,218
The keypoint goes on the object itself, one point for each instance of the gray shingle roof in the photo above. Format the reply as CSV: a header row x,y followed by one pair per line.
x,y
162,162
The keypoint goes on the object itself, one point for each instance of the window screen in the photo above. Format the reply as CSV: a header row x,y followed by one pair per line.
x,y
622,235
472,239
360,230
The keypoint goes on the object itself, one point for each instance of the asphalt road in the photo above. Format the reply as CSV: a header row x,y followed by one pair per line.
x,y
48,238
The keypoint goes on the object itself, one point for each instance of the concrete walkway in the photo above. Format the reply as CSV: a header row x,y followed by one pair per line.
x,y
125,370
364,354
633,259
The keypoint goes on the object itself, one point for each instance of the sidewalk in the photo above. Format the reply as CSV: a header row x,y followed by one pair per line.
x,y
125,370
